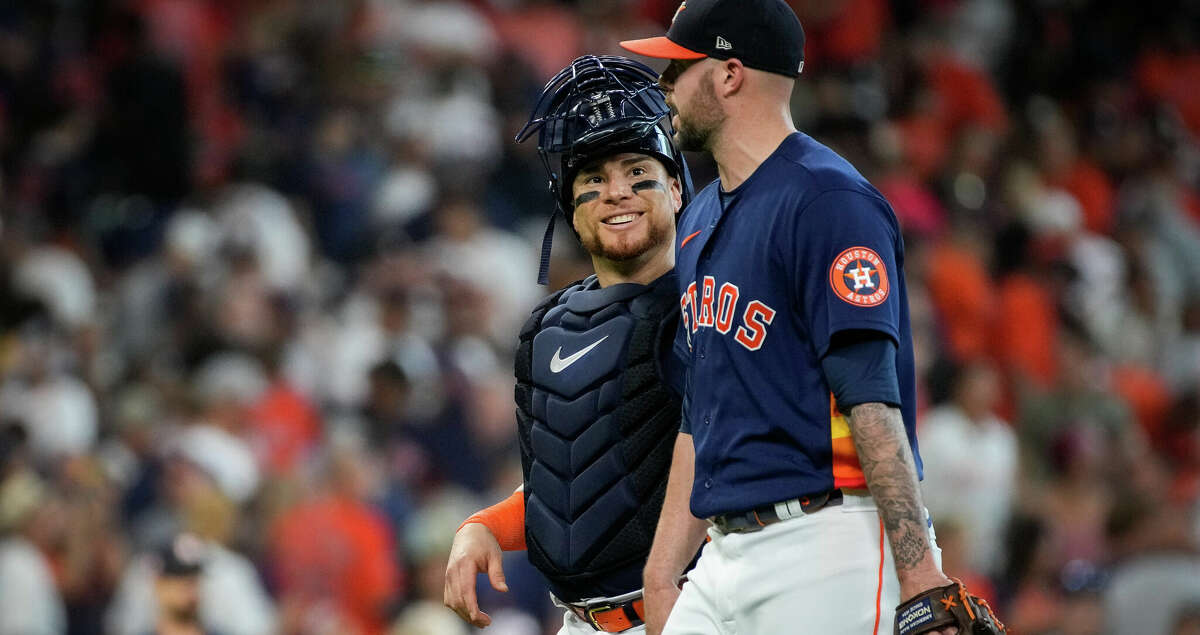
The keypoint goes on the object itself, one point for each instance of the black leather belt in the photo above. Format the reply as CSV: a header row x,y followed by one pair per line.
x,y
755,519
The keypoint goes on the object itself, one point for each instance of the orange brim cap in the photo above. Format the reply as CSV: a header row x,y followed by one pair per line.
x,y
661,47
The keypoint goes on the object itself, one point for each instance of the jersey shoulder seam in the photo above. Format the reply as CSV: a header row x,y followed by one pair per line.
x,y
818,195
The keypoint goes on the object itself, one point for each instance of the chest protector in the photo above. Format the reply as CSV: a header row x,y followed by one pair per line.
x,y
597,425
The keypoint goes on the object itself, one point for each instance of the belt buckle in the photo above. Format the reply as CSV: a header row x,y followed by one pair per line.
x,y
738,523
752,522
725,523
591,615
720,523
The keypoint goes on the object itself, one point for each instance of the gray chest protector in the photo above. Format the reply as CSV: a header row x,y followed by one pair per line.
x,y
597,422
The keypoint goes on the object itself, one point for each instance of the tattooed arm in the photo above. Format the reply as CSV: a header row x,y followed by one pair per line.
x,y
887,463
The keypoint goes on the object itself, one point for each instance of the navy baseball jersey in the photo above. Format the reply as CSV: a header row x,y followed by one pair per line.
x,y
769,273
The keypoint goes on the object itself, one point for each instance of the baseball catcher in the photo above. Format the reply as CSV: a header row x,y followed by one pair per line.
x,y
598,406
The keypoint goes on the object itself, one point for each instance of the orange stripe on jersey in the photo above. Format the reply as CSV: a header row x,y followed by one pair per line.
x,y
847,471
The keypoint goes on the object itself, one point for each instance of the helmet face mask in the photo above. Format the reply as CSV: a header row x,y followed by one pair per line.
x,y
601,106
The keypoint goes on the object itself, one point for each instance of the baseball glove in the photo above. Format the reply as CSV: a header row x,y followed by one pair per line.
x,y
950,605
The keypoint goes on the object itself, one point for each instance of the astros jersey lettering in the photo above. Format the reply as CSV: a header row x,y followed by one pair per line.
x,y
815,250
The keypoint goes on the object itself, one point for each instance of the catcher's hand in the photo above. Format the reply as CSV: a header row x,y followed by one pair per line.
x,y
474,551
949,605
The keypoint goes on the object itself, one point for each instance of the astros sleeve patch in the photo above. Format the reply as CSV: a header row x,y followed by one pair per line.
x,y
847,253
859,277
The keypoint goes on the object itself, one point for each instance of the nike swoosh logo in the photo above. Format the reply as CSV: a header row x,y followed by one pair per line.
x,y
558,364
689,237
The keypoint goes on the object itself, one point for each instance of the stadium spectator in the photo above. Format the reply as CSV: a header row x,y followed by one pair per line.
x,y
972,464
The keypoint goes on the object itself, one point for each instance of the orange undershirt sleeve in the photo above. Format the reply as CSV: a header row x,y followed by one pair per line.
x,y
506,521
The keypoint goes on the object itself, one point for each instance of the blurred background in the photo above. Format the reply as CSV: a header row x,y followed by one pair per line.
x,y
263,262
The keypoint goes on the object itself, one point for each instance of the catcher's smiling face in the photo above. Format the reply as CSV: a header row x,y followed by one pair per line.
x,y
625,208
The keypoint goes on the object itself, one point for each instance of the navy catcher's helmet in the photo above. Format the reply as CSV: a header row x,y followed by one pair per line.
x,y
599,106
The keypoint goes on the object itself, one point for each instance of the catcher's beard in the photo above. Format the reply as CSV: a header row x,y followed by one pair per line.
x,y
624,248
696,130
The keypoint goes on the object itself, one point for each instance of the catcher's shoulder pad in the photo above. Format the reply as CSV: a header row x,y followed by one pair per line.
x,y
533,323
949,605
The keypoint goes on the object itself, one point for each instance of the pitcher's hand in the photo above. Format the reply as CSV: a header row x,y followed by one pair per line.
x,y
659,600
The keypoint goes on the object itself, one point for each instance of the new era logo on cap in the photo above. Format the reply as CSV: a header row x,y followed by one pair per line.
x,y
768,34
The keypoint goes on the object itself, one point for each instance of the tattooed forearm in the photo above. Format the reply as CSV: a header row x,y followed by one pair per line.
x,y
891,474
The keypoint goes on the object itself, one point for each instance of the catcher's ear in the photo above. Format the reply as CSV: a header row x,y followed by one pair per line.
x,y
676,190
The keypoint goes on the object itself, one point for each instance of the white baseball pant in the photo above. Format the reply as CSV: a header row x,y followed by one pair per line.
x,y
828,572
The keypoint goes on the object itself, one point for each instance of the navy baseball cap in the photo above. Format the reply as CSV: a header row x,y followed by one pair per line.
x,y
763,34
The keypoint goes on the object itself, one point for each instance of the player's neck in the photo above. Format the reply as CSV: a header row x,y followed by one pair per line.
x,y
746,140
642,270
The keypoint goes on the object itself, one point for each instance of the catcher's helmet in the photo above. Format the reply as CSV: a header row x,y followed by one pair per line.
x,y
598,106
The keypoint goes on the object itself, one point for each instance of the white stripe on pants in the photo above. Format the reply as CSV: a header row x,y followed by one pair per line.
x,y
818,573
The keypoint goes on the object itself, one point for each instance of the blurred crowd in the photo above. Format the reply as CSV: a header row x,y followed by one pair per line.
x,y
263,263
